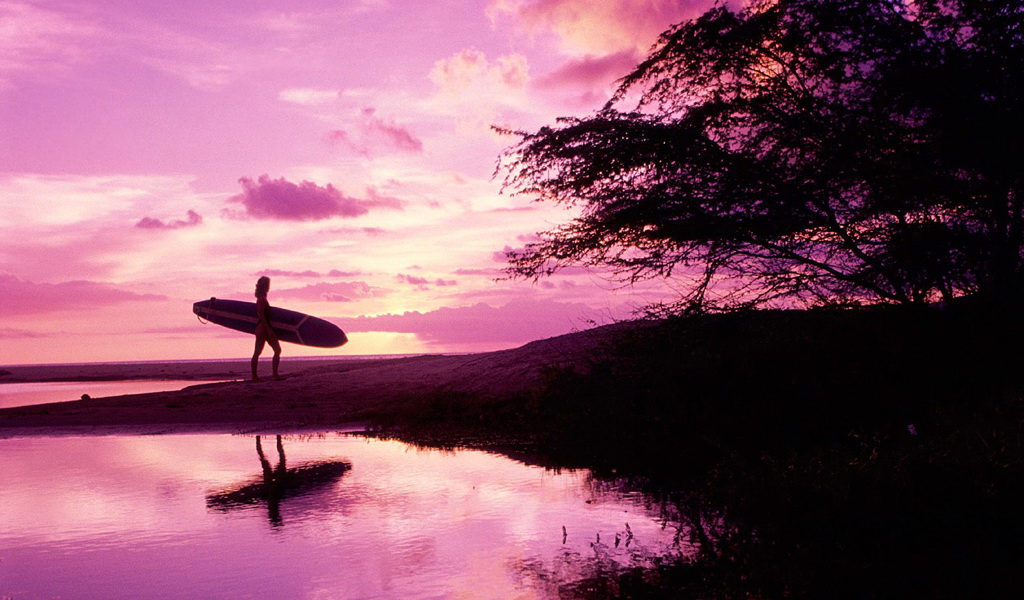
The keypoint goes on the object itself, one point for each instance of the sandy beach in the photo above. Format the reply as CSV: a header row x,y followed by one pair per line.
x,y
318,395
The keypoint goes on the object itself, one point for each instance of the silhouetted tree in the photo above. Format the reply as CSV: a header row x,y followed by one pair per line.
x,y
800,152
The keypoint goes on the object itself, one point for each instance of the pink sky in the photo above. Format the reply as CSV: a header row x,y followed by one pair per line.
x,y
153,154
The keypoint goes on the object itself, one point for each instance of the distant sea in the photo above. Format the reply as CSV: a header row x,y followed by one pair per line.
x,y
186,361
43,392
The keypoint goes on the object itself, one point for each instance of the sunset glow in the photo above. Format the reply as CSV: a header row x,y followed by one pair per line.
x,y
157,154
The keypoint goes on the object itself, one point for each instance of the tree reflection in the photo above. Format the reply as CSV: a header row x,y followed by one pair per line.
x,y
277,483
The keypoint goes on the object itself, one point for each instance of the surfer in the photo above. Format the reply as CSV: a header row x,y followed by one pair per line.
x,y
264,333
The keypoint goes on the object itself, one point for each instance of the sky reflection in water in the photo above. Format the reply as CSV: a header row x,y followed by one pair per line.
x,y
122,516
25,394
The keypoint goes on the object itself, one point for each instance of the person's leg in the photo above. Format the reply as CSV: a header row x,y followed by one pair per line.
x,y
276,345
260,341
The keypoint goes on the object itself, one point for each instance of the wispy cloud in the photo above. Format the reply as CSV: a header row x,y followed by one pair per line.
x,y
307,273
308,96
192,220
27,298
299,22
373,135
423,282
330,292
518,321
590,72
12,334
36,41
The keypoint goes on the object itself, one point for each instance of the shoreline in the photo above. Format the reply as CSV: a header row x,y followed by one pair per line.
x,y
317,395
186,370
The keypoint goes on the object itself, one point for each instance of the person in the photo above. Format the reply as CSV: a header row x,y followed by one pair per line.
x,y
264,333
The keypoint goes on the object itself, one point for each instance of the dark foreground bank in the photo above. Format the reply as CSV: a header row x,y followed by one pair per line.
x,y
827,454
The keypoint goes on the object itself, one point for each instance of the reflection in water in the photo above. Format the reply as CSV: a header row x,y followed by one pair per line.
x,y
118,517
277,483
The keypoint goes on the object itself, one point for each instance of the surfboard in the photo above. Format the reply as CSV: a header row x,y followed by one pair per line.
x,y
289,325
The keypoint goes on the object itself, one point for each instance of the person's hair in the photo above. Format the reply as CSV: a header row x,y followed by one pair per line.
x,y
262,286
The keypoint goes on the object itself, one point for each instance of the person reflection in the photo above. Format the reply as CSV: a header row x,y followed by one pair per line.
x,y
273,480
277,483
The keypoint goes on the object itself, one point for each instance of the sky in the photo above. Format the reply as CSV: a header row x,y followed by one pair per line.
x,y
154,154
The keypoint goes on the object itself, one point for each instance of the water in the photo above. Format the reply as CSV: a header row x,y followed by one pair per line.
x,y
189,516
24,394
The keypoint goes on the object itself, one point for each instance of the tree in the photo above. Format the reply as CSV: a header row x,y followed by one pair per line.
x,y
800,152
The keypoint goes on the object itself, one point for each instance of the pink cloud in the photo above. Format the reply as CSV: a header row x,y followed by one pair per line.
x,y
502,255
193,219
600,28
591,71
26,298
282,273
486,272
307,273
470,68
12,334
423,282
478,91
518,321
330,292
374,135
269,198
411,279
514,209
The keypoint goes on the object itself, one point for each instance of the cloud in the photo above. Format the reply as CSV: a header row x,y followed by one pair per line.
x,y
7,333
424,283
469,73
585,27
268,198
590,72
39,40
373,135
308,96
193,219
514,209
331,292
310,274
27,298
300,24
477,92
411,279
518,321
71,227
492,273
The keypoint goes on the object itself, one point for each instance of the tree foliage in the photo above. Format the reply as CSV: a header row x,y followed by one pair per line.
x,y
799,152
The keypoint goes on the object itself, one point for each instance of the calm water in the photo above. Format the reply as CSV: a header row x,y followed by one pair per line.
x,y
203,516
24,394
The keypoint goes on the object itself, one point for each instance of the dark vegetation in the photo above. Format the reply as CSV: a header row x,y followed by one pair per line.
x,y
799,153
784,154
864,453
